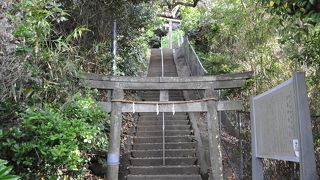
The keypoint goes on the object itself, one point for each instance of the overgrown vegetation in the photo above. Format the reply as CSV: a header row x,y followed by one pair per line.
x,y
51,127
53,141
5,171
270,38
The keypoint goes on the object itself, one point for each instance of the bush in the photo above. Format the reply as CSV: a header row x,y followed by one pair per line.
x,y
5,171
57,141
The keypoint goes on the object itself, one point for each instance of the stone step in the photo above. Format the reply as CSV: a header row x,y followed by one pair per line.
x,y
159,118
166,122
168,127
163,170
157,95
158,49
167,133
176,99
150,95
167,68
168,72
166,57
159,161
168,139
165,114
158,55
159,153
175,145
171,75
164,177
159,74
150,98
166,61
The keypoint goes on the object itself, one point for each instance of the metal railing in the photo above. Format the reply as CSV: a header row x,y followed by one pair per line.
x,y
192,59
163,124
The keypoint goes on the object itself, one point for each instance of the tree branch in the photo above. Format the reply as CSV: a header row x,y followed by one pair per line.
x,y
177,3
173,7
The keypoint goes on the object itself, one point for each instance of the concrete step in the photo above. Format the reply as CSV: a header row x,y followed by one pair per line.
x,y
163,170
171,75
150,98
167,67
168,139
168,127
154,94
157,95
159,122
156,98
166,114
164,177
159,161
176,99
167,71
157,64
159,153
156,58
167,133
175,145
164,54
157,118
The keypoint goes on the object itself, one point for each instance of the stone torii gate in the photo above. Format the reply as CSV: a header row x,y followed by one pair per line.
x,y
209,105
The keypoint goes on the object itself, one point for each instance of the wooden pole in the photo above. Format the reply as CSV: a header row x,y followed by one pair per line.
x,y
214,138
113,160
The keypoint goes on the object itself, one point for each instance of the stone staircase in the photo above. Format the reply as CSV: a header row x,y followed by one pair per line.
x,y
180,147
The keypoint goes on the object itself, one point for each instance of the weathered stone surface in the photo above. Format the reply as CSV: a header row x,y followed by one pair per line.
x,y
164,177
10,69
7,41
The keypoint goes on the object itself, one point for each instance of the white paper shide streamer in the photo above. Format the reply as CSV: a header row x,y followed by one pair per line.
x,y
173,110
157,109
133,108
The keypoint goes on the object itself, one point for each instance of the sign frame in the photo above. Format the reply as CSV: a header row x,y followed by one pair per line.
x,y
305,138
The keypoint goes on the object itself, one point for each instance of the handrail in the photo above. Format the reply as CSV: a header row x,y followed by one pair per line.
x,y
163,142
163,125
161,50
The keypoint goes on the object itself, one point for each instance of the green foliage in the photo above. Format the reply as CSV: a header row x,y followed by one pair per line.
x,y
299,38
176,35
41,134
306,10
57,141
49,57
235,36
5,170
271,38
135,21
